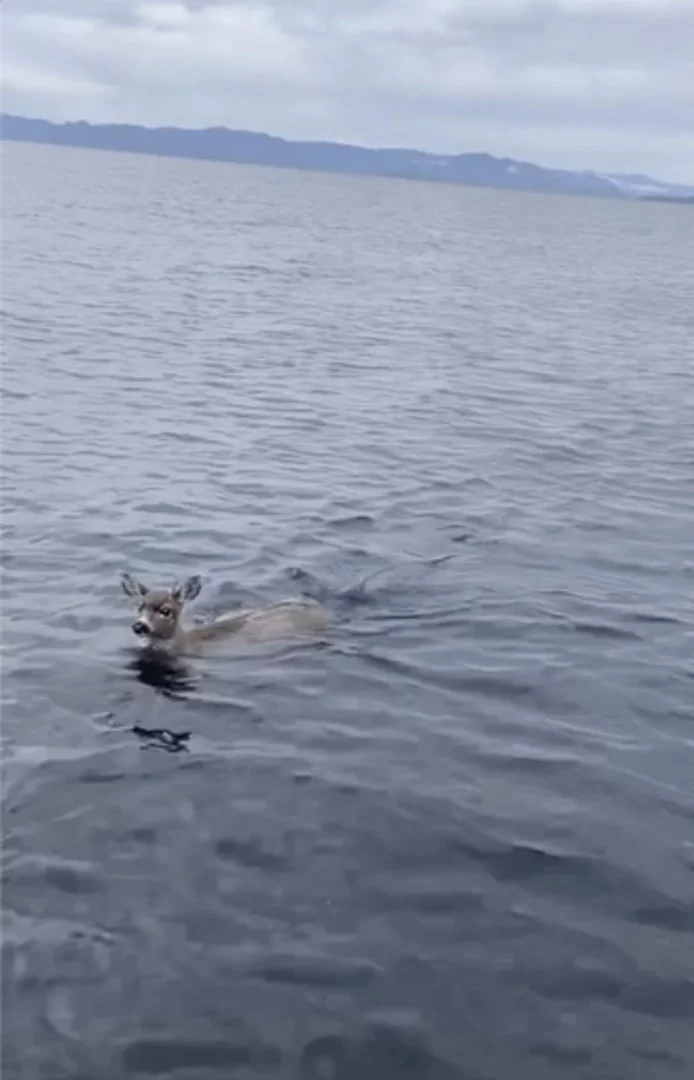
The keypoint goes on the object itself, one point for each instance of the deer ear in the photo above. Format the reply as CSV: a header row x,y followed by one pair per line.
x,y
192,587
134,589
189,590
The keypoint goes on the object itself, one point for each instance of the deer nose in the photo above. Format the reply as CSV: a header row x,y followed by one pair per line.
x,y
140,627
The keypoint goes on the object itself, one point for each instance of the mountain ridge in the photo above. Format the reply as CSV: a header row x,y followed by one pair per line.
x,y
223,144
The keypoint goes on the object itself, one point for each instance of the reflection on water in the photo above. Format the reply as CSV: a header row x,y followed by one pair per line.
x,y
173,741
455,840
166,674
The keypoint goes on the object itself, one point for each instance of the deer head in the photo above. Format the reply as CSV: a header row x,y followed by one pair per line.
x,y
159,610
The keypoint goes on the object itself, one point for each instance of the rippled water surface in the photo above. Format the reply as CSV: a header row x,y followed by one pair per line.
x,y
453,838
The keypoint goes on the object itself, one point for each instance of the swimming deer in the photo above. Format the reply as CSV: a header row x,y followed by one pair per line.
x,y
158,622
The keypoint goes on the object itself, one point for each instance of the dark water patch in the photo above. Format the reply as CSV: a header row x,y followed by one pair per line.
x,y
574,876
654,617
314,969
558,1052
67,876
664,998
671,916
355,521
602,630
675,1062
594,974
143,835
501,685
383,1045
432,897
250,853
102,776
166,1057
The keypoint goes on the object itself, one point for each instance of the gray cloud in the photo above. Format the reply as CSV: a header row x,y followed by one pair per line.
x,y
607,84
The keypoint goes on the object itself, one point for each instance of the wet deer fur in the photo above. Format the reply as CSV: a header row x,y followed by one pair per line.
x,y
158,622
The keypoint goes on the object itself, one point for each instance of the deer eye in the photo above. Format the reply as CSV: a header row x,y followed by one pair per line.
x,y
165,611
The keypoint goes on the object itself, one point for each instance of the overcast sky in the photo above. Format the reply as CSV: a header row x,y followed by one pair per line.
x,y
604,84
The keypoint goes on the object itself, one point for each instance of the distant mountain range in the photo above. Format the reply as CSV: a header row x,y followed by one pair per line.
x,y
254,148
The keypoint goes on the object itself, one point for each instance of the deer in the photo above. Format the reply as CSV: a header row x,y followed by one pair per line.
x,y
159,627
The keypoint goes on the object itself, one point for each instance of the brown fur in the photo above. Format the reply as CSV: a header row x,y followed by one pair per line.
x,y
158,621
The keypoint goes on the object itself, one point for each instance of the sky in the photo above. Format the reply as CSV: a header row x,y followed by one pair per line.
x,y
600,84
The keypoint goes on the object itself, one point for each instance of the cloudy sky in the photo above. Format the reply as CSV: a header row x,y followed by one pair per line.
x,y
604,84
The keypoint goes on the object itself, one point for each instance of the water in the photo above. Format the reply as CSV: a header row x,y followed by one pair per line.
x,y
453,839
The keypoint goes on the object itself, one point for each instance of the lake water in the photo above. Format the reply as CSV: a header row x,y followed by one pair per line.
x,y
455,837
